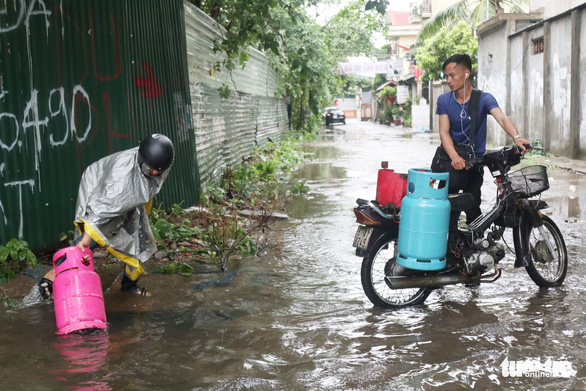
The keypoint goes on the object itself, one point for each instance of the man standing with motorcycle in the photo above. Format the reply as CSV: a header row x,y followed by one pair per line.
x,y
393,278
459,138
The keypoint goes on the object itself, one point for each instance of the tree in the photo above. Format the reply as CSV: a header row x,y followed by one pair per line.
x,y
379,5
304,54
350,31
349,34
306,67
474,12
448,41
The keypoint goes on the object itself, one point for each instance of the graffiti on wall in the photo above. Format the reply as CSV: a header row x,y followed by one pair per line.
x,y
58,102
21,14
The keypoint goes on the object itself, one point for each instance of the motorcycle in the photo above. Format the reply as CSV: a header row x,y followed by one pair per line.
x,y
473,251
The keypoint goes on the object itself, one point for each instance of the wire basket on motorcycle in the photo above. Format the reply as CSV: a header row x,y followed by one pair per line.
x,y
529,181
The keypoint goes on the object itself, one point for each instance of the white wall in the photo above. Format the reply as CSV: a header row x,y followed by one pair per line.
x,y
543,93
552,8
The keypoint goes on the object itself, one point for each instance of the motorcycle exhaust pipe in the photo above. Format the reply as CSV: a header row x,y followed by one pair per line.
x,y
427,282
439,281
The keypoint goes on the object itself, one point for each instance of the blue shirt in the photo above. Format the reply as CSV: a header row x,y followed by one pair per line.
x,y
460,127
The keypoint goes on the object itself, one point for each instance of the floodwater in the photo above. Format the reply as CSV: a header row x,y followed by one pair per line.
x,y
296,318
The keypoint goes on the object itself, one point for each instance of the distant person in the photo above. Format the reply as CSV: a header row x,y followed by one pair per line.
x,y
114,199
455,130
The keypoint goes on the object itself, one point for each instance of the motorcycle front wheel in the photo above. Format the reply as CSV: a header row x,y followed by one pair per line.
x,y
379,262
545,268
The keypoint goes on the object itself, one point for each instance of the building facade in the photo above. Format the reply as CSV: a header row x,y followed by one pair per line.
x,y
536,67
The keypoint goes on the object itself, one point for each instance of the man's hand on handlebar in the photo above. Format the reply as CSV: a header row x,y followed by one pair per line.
x,y
459,163
524,144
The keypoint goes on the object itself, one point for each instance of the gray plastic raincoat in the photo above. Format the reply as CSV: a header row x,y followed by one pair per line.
x,y
112,207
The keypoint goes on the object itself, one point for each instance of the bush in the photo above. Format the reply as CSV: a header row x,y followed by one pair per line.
x,y
397,111
216,230
15,256
17,250
389,114
388,91
407,118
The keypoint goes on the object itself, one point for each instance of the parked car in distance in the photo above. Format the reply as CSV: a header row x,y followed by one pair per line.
x,y
333,115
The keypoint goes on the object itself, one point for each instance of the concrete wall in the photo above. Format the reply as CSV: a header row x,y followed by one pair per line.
x,y
348,104
542,92
437,88
494,79
552,8
582,88
559,84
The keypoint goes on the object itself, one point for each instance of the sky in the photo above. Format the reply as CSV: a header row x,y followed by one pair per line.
x,y
325,10
328,8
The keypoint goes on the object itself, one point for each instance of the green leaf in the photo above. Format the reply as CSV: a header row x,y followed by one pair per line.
x,y
32,260
156,234
185,270
224,91
243,58
11,303
4,253
163,229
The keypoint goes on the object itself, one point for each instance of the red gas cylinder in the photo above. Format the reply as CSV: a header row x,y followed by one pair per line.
x,y
391,187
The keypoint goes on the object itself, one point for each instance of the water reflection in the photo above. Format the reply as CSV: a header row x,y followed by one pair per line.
x,y
330,134
84,354
312,172
567,193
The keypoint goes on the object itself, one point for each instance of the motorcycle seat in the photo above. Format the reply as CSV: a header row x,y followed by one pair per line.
x,y
461,202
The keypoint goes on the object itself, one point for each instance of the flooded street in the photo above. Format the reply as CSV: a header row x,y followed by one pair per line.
x,y
296,317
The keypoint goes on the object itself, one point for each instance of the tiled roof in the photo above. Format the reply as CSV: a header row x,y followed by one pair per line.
x,y
399,18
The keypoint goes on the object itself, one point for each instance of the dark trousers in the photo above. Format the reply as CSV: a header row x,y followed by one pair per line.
x,y
467,181
473,186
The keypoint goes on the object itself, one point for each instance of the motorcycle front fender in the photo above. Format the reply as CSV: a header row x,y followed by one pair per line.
x,y
529,218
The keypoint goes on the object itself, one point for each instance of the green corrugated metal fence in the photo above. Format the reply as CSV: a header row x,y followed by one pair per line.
x,y
78,81
82,79
228,129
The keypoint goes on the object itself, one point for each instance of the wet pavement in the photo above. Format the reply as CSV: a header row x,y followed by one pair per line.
x,y
296,318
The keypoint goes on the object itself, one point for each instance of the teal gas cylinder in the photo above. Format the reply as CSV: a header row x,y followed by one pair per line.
x,y
424,224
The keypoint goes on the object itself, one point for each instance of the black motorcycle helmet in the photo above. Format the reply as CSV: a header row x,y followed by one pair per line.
x,y
157,152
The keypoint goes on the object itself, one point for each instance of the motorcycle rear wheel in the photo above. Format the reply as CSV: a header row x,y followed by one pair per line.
x,y
379,262
545,269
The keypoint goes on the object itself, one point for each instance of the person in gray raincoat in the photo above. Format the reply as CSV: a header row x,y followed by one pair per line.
x,y
114,199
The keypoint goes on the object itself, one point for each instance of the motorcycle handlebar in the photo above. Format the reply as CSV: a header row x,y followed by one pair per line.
x,y
480,160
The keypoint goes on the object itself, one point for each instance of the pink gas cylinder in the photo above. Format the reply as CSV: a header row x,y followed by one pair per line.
x,y
77,292
391,187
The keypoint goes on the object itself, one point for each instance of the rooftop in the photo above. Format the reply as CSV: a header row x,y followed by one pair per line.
x,y
399,18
